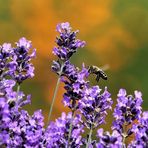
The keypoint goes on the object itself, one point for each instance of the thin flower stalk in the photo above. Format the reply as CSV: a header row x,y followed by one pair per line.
x,y
89,137
70,128
55,93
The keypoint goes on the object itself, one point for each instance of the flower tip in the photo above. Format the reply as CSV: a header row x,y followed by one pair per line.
x,y
122,92
24,42
138,94
7,47
63,27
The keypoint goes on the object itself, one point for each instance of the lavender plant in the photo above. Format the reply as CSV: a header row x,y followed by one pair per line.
x,y
67,45
88,104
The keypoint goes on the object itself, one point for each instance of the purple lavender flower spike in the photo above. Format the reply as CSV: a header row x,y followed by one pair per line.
x,y
141,132
21,59
67,42
127,110
94,105
107,140
6,53
67,45
18,128
56,134
75,82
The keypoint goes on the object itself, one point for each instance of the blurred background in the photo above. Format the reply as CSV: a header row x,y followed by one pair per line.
x,y
116,33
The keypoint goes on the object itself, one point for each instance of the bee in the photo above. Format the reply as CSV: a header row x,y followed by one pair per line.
x,y
98,72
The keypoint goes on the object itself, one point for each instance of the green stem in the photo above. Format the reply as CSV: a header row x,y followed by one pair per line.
x,y
123,142
70,129
18,89
54,97
55,92
89,138
124,135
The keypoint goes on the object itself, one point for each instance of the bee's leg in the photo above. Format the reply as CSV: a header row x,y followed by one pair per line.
x,y
98,78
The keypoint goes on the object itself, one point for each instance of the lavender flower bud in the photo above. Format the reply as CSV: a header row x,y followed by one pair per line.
x,y
56,67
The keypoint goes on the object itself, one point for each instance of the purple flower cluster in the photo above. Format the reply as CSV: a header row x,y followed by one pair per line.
x,y
23,69
75,83
56,134
21,129
141,132
67,45
15,61
5,56
67,42
107,140
127,110
88,104
94,105
17,127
